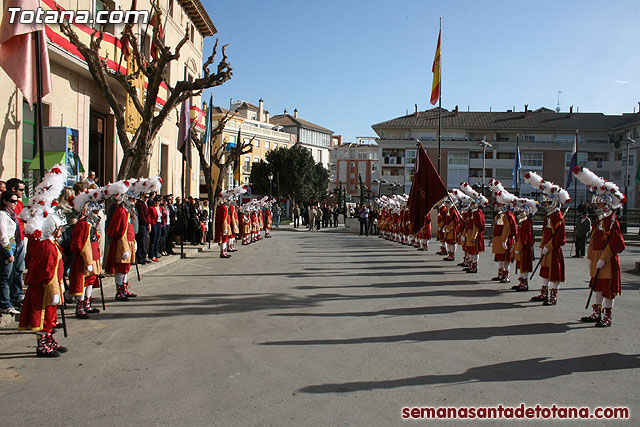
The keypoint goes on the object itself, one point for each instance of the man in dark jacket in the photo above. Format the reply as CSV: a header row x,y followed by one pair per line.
x,y
582,230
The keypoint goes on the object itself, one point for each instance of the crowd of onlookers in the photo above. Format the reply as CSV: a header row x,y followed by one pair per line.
x,y
326,215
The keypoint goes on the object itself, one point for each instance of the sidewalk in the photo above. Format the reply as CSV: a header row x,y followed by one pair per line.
x,y
109,284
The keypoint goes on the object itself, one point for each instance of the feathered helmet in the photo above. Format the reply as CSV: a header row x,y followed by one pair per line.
x,y
144,185
461,199
502,196
605,192
553,196
525,207
41,216
477,198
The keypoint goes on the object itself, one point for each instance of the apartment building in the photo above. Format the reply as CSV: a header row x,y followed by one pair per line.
x,y
545,138
79,110
253,123
351,161
313,137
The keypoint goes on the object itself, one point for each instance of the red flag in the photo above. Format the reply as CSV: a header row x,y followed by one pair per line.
x,y
435,87
18,53
124,41
427,189
157,27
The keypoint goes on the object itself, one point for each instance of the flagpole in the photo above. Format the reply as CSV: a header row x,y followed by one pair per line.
x,y
440,101
36,36
519,160
575,194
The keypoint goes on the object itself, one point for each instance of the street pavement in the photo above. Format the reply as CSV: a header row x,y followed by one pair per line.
x,y
315,328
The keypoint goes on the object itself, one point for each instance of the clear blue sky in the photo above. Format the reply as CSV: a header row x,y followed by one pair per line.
x,y
348,64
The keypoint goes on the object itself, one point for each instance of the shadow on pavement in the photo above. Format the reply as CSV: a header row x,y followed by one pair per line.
x,y
536,369
454,334
414,311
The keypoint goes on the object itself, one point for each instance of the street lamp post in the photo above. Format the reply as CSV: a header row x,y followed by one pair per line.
x,y
484,145
629,142
270,183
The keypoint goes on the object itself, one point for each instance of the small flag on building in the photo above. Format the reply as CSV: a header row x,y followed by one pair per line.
x,y
573,163
184,131
516,168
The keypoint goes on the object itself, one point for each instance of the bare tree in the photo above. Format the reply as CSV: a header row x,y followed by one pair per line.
x,y
138,147
221,158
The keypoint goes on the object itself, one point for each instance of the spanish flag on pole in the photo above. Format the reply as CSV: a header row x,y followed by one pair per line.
x,y
435,89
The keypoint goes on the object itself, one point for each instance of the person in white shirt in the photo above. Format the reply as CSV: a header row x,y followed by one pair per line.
x,y
8,230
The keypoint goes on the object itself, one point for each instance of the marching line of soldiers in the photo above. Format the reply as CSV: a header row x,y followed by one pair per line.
x,y
245,222
461,222
45,218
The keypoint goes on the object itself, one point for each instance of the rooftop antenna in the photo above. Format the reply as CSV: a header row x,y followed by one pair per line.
x,y
558,107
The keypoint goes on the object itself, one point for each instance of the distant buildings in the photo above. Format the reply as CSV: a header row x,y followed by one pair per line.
x,y
352,161
309,135
545,138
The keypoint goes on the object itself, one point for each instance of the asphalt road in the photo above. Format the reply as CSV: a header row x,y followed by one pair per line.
x,y
324,329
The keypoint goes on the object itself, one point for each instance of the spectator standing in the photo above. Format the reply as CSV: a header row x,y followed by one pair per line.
x,y
17,294
364,218
155,230
582,230
305,216
144,228
325,215
336,213
296,216
312,217
90,182
9,233
277,211
171,224
318,218
204,221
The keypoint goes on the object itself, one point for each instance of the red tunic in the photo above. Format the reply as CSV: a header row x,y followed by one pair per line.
x,y
442,219
451,225
44,264
119,227
554,237
609,277
223,224
524,246
505,230
475,246
79,242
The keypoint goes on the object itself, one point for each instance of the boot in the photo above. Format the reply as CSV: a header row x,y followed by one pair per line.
x,y
499,276
43,349
596,316
88,308
553,297
505,277
544,292
605,322
120,294
80,313
523,286
464,262
127,292
53,344
451,257
473,268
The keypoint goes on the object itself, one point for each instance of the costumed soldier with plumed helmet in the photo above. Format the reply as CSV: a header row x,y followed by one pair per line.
x,y
442,219
504,230
553,238
605,245
44,263
85,247
463,203
122,243
523,248
474,240
450,229
223,224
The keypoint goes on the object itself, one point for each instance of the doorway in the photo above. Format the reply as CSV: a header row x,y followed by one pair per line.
x,y
97,132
